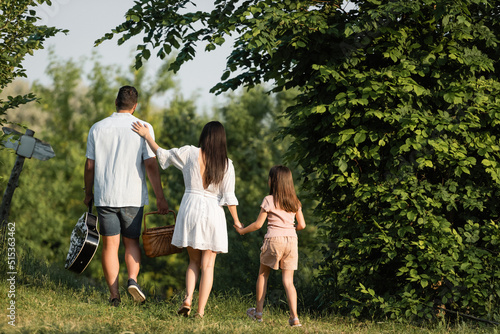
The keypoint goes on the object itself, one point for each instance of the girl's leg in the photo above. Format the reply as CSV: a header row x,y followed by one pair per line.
x,y
207,279
261,287
291,293
192,273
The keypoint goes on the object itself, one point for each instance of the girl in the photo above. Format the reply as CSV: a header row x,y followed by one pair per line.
x,y
280,247
201,222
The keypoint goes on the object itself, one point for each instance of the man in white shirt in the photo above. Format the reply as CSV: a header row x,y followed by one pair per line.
x,y
117,161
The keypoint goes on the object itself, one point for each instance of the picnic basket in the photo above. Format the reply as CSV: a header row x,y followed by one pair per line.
x,y
157,241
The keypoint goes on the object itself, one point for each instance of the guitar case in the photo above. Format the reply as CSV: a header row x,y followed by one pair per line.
x,y
83,242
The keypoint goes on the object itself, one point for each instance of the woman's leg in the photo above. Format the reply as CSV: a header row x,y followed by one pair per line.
x,y
291,293
192,273
261,287
207,278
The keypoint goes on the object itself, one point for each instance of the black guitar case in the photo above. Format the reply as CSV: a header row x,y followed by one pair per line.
x,y
83,242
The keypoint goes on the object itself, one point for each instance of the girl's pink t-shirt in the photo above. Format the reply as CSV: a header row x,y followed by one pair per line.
x,y
279,222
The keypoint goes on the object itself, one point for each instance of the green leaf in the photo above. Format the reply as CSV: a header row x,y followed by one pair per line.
x,y
359,137
343,166
411,215
134,18
225,75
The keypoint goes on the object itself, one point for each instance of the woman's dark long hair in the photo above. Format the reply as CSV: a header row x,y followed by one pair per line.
x,y
213,145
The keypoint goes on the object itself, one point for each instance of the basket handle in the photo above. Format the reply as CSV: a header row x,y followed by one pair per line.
x,y
156,212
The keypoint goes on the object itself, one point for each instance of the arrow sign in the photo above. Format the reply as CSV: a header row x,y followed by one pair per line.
x,y
41,150
26,147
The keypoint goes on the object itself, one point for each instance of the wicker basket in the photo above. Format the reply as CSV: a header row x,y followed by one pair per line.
x,y
157,241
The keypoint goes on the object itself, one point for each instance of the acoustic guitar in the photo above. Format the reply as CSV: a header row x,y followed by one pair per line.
x,y
83,242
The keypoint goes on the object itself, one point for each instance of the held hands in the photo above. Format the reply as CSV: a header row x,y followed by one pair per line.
x,y
141,129
238,224
239,228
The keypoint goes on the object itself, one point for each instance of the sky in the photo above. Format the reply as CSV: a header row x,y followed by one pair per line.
x,y
88,20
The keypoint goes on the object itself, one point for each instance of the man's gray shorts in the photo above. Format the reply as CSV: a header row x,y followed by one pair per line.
x,y
125,221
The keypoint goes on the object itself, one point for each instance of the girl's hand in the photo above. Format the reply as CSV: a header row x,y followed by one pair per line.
x,y
239,229
140,129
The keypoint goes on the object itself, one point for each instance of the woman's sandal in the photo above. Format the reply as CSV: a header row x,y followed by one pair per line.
x,y
294,322
184,310
254,315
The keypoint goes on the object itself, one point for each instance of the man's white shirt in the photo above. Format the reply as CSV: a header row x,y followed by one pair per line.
x,y
119,154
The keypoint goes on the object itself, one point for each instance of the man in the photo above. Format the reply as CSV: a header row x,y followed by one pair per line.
x,y
117,159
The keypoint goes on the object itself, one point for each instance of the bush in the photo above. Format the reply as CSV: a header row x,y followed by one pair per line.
x,y
398,137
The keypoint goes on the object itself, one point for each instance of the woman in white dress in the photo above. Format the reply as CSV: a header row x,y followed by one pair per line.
x,y
201,223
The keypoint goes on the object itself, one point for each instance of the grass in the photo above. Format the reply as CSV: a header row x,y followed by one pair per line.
x,y
68,310
51,300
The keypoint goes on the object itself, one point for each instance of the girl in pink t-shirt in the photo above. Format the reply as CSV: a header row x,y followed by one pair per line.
x,y
280,247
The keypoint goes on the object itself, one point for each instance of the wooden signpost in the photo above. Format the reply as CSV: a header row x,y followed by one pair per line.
x,y
26,147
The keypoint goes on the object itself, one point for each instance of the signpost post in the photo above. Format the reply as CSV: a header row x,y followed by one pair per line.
x,y
26,147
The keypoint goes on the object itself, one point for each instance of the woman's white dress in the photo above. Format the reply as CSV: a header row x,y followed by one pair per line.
x,y
201,222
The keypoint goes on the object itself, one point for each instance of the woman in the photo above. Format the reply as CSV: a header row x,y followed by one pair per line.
x,y
201,224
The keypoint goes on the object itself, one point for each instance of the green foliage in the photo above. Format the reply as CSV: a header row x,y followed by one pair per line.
x,y
395,129
19,36
405,160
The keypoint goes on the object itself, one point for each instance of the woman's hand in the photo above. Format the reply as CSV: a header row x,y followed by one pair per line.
x,y
238,224
143,131
140,129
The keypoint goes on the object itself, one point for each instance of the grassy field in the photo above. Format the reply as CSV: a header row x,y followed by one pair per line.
x,y
52,300
66,310
60,309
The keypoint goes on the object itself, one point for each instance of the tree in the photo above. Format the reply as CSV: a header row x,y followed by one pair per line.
x,y
396,130
19,36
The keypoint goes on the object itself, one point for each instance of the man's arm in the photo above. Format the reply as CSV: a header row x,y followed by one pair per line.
x,y
88,178
154,178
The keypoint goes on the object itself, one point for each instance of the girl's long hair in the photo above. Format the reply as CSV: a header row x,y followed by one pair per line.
x,y
213,145
282,189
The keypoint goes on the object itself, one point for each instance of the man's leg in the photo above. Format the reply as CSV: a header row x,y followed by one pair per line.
x,y
110,263
130,224
132,257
